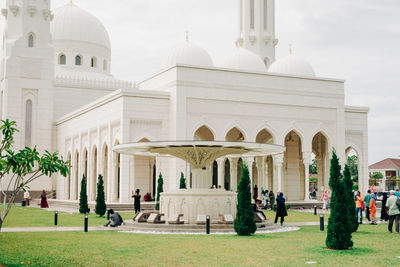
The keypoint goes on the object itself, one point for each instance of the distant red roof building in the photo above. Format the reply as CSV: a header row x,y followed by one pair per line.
x,y
386,164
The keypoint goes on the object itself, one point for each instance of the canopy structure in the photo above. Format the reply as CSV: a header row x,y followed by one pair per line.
x,y
199,153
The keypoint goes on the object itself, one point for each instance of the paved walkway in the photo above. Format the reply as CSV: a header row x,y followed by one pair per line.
x,y
55,229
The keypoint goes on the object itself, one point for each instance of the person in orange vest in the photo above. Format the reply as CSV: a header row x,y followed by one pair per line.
x,y
372,208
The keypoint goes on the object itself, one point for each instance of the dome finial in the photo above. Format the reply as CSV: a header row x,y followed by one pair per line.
x,y
187,36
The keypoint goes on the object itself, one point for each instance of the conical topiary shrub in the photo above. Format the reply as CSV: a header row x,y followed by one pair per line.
x,y
349,198
100,208
339,225
160,183
182,182
83,201
244,223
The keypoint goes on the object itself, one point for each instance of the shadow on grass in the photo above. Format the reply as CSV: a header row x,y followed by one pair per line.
x,y
355,251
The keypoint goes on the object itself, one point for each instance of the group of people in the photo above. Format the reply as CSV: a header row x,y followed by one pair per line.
x,y
390,210
269,202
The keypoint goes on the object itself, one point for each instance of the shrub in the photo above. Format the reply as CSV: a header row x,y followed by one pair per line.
x,y
83,201
101,207
182,182
160,183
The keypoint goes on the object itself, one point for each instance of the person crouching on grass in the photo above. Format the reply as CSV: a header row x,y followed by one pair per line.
x,y
115,219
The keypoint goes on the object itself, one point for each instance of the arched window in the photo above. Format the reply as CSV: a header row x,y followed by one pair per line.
x,y
93,62
105,65
31,40
62,59
28,123
78,60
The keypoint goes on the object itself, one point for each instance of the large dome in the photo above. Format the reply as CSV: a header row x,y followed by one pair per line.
x,y
292,65
72,23
243,59
187,53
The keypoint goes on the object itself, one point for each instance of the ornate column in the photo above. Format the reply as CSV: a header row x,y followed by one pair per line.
x,y
260,175
266,173
306,162
221,168
278,161
233,165
249,162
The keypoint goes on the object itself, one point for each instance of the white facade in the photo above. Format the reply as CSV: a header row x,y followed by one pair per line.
x,y
78,108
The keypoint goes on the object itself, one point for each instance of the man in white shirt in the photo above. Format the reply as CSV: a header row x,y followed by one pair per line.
x,y
393,211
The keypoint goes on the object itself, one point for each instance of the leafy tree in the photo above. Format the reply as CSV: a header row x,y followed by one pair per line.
x,y
244,223
160,183
182,182
376,175
313,167
339,224
349,198
83,201
19,168
352,161
100,208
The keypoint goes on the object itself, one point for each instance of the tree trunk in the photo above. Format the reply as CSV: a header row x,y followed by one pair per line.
x,y
1,223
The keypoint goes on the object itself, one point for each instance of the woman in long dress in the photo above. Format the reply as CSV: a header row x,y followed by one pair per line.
x,y
384,215
280,208
43,202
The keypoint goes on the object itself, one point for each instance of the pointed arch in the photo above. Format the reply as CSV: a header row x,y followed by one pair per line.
x,y
235,134
31,40
62,59
264,136
204,133
298,132
324,133
269,129
143,140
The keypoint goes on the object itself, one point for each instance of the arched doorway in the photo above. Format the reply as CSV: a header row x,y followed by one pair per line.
x,y
68,183
105,172
266,181
145,173
94,174
320,164
203,134
353,161
211,172
234,135
293,168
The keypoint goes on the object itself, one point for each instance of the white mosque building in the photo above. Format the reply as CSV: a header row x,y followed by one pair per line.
x,y
56,83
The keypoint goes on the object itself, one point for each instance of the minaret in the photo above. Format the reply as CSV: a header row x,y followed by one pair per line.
x,y
257,28
27,72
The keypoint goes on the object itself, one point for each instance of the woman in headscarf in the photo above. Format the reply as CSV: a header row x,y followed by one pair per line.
x,y
43,202
384,215
372,208
280,208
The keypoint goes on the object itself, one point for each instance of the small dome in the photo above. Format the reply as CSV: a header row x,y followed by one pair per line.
x,y
72,23
243,59
187,53
292,65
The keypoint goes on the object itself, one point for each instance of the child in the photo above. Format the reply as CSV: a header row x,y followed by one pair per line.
x,y
372,208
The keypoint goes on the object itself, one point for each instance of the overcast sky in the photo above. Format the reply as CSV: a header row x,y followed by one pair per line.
x,y
355,40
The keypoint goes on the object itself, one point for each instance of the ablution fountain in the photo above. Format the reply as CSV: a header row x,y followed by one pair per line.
x,y
200,199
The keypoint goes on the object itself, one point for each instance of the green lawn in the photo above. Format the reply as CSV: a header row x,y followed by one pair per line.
x,y
373,245
36,217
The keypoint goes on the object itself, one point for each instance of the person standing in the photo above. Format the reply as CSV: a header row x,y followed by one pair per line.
x,y
372,208
366,200
27,197
136,197
384,214
280,208
255,192
325,198
393,211
43,200
359,203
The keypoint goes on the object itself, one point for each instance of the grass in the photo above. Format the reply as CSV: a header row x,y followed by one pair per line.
x,y
36,217
372,245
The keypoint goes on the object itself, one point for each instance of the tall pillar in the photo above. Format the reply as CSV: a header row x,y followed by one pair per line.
x,y
278,161
260,175
249,162
306,162
233,164
221,168
266,173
